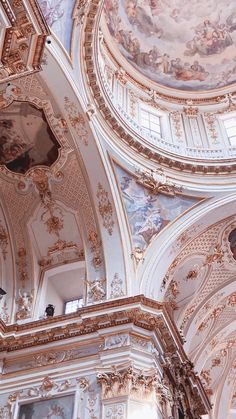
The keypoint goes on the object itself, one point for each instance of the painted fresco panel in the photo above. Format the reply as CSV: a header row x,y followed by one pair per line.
x,y
58,15
147,213
186,44
59,408
26,140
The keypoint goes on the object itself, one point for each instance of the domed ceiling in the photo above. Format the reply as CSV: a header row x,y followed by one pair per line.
x,y
182,44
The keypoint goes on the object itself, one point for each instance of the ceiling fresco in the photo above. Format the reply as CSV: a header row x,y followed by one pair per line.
x,y
58,15
26,139
148,213
182,44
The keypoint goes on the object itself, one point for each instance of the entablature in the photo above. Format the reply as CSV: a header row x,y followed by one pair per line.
x,y
136,333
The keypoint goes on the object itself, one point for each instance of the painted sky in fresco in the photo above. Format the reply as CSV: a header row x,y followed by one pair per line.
x,y
147,213
58,15
184,44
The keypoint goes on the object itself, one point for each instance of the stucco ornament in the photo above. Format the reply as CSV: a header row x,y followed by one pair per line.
x,y
96,291
24,305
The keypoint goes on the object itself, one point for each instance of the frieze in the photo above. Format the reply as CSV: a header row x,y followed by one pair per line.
x,y
116,341
56,332
48,358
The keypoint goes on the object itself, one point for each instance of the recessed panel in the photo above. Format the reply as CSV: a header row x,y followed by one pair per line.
x,y
26,139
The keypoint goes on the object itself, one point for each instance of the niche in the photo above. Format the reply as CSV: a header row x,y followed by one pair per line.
x,y
61,285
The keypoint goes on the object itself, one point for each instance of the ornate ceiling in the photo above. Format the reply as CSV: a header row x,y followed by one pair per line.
x,y
200,285
149,35
23,32
71,192
26,139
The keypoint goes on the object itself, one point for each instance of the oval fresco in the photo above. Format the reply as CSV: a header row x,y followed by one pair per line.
x,y
182,44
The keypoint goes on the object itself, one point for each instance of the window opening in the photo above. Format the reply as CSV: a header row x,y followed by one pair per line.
x,y
73,305
230,126
150,122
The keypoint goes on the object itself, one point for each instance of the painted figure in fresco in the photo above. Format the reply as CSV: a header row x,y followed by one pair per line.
x,y
112,17
148,213
144,214
138,16
211,38
193,72
140,26
11,144
51,10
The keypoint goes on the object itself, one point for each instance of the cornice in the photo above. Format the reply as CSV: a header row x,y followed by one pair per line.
x,y
139,310
24,39
97,325
91,27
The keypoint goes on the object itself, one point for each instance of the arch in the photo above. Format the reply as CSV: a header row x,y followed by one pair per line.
x,y
173,239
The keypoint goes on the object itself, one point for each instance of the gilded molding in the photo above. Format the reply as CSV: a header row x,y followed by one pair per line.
x,y
18,338
24,40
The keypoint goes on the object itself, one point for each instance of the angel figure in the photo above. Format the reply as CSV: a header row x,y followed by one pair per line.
x,y
96,290
24,305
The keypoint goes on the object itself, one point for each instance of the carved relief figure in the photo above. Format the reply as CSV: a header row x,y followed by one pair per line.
x,y
96,290
24,305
